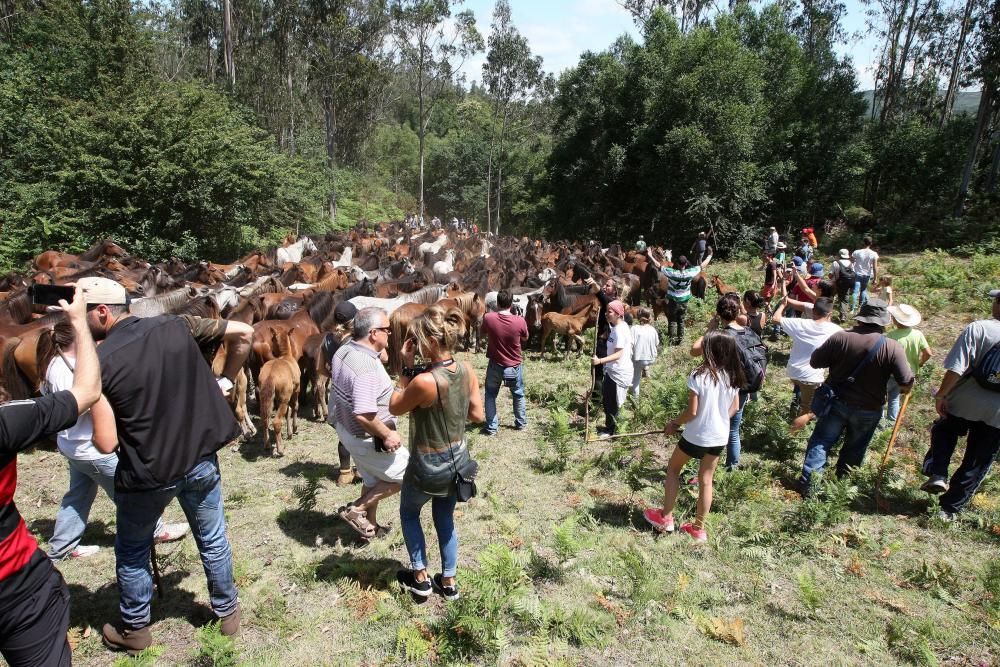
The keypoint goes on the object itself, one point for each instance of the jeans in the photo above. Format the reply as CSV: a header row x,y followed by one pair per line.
x,y
411,501
676,311
200,496
980,451
892,406
860,290
71,520
857,426
494,380
734,445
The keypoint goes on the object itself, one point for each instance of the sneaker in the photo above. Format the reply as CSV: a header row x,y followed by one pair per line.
x,y
936,484
84,551
120,638
420,589
487,433
664,524
520,427
230,625
697,534
604,435
171,532
449,593
947,517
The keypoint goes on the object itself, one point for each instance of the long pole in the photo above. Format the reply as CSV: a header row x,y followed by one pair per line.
x,y
888,450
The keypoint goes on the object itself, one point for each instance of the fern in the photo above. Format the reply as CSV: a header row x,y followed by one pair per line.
x,y
636,570
810,593
308,492
214,648
565,539
146,658
411,645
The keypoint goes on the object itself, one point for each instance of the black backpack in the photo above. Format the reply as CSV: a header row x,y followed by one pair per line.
x,y
845,274
987,371
754,354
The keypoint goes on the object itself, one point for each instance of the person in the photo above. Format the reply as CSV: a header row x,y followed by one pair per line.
x,y
843,277
806,335
34,607
360,408
805,287
440,399
753,309
885,289
968,405
618,364
771,242
865,270
605,295
810,234
645,347
505,333
865,354
770,286
88,446
167,444
640,245
779,253
713,399
918,351
805,251
679,281
700,249
343,326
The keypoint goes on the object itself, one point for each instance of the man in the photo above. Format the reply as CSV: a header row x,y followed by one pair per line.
x,y
843,277
968,404
865,269
700,248
360,409
34,604
805,288
172,418
805,251
343,318
771,242
770,286
640,245
806,336
679,280
857,408
605,295
506,333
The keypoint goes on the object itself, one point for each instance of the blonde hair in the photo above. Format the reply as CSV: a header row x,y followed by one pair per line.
x,y
445,326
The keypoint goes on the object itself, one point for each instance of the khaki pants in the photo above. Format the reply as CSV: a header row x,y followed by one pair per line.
x,y
808,390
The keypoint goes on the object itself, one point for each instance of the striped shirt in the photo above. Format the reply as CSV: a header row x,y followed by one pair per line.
x,y
679,282
360,386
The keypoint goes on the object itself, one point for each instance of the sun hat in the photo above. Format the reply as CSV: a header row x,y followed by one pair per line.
x,y
798,261
617,307
905,315
874,311
781,245
344,312
97,290
816,270
845,253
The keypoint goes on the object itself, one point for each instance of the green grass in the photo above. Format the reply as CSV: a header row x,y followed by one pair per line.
x,y
556,564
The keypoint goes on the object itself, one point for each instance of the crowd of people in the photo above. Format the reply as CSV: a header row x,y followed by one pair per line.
x,y
124,426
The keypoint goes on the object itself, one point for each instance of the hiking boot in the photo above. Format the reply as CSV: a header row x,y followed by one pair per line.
x,y
84,551
419,589
935,484
346,477
697,534
449,593
230,625
171,532
119,638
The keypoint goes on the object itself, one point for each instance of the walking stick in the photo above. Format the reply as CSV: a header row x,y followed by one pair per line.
x,y
156,571
879,501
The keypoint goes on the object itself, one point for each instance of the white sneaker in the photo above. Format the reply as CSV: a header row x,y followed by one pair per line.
x,y
84,551
171,532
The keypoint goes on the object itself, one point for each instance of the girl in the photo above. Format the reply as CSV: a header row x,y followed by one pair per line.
x,y
885,289
712,400
618,367
753,310
441,397
645,345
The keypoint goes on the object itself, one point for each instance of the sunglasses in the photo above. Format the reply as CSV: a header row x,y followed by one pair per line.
x,y
387,330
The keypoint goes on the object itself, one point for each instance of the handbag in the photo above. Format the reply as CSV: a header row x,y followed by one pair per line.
x,y
465,475
510,377
826,393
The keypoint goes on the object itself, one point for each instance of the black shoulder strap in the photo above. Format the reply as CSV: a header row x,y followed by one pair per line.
x,y
868,357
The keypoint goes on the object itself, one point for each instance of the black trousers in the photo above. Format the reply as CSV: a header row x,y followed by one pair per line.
x,y
611,407
981,449
602,351
33,632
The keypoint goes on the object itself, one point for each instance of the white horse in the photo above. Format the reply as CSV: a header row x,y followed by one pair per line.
x,y
484,248
518,299
547,274
445,266
345,258
429,295
293,253
429,247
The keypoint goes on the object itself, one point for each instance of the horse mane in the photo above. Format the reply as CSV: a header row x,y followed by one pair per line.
x,y
465,301
93,253
427,295
168,302
13,380
202,306
18,308
364,287
269,286
320,307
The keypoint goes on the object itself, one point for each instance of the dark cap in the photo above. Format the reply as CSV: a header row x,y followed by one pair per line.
x,y
344,312
995,294
874,311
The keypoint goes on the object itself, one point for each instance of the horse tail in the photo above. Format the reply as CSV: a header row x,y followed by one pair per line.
x,y
10,375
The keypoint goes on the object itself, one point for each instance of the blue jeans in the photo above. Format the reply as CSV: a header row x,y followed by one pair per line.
x,y
200,496
734,446
494,380
860,295
71,520
892,405
857,426
411,501
980,450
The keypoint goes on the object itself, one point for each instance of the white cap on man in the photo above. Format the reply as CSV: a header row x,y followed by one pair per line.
x,y
97,290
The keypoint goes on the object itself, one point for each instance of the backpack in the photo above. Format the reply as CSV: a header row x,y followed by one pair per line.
x,y
845,275
987,371
330,347
754,354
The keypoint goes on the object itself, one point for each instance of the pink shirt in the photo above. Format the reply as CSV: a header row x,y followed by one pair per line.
x,y
505,333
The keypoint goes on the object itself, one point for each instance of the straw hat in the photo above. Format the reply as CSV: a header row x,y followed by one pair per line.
x,y
905,315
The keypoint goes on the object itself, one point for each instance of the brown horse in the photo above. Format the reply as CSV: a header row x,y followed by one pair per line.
x,y
279,391
51,258
569,326
722,286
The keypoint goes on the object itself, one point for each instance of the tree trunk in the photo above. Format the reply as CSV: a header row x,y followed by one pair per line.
x,y
330,121
956,63
991,184
227,39
898,64
421,125
985,109
499,186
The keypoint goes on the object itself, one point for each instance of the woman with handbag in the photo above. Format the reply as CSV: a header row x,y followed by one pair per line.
x,y
440,397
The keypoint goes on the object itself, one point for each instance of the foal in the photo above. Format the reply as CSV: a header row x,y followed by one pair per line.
x,y
279,385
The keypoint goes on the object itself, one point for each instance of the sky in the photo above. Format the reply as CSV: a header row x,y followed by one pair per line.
x,y
561,30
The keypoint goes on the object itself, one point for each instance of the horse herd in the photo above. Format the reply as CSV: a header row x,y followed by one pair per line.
x,y
288,294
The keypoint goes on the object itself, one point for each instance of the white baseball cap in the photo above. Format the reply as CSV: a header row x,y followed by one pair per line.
x,y
102,290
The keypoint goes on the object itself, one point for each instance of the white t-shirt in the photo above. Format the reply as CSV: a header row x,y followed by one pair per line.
x,y
864,261
620,371
806,336
710,427
76,442
645,343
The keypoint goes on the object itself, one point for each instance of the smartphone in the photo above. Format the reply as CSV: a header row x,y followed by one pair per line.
x,y
49,295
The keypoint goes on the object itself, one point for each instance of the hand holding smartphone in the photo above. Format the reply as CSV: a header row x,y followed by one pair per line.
x,y
50,295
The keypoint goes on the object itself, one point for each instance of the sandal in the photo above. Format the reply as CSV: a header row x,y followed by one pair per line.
x,y
357,520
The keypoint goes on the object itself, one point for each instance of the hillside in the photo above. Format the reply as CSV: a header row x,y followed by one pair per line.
x,y
966,102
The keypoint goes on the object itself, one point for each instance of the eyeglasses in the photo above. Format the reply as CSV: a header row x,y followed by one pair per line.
x,y
387,330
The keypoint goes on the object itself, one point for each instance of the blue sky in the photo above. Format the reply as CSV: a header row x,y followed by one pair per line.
x,y
560,30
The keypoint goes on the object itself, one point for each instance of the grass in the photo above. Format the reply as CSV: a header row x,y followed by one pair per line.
x,y
556,565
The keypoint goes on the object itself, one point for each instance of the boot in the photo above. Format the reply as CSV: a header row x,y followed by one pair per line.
x,y
230,625
120,638
346,477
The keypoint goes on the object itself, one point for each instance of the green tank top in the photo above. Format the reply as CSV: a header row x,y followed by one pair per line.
x,y
439,427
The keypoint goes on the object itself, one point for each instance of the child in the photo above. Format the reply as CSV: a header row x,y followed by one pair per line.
x,y
753,310
645,345
915,346
713,398
885,290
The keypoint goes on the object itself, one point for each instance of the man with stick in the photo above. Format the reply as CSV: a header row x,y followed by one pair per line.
x,y
968,404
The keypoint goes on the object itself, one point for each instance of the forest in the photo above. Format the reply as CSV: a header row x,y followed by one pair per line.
x,y
203,128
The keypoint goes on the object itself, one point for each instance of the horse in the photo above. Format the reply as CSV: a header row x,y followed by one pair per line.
x,y
293,252
162,304
724,288
569,326
238,395
279,384
50,259
445,266
427,295
432,247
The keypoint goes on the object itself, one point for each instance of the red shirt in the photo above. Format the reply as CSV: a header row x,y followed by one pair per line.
x,y
799,295
505,333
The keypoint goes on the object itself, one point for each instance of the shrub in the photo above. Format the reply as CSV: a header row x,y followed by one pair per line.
x,y
214,648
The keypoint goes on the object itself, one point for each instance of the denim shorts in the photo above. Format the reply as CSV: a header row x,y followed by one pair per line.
x,y
697,452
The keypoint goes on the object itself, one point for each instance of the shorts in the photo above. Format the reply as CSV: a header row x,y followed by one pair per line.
x,y
697,451
808,390
767,291
373,466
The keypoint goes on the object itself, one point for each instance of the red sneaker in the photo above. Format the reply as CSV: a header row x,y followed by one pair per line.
x,y
664,524
697,534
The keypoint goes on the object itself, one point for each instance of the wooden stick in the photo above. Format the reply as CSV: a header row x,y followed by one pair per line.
x,y
156,571
627,435
888,449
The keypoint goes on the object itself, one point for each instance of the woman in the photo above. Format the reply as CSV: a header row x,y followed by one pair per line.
x,y
441,396
618,365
